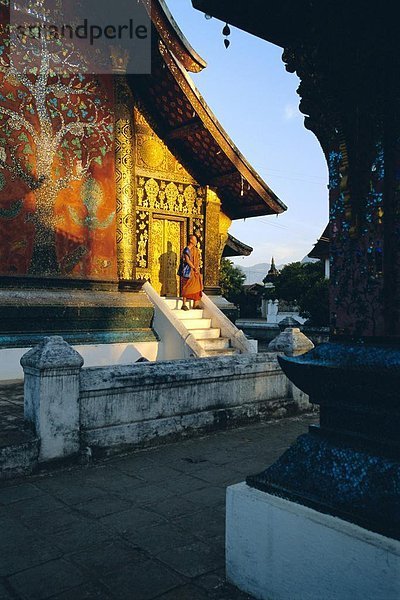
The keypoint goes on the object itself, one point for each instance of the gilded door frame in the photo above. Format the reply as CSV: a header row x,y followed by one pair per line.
x,y
167,217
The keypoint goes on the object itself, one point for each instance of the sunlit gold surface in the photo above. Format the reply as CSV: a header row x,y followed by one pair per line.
x,y
125,179
152,155
169,205
212,239
167,238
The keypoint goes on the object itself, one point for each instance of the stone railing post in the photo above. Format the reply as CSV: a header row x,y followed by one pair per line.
x,y
292,342
51,396
272,311
264,308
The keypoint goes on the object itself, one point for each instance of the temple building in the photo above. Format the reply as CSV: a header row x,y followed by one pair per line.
x,y
102,179
321,250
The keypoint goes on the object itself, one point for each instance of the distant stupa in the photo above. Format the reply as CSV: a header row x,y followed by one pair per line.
x,y
272,274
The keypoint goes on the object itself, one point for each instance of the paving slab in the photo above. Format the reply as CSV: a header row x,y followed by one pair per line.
x,y
193,559
148,525
87,591
46,580
142,581
4,593
103,559
161,538
19,447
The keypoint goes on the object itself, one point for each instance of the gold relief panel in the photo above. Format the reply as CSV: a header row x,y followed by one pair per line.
x,y
168,196
153,157
197,227
167,238
143,275
125,179
212,242
142,239
224,224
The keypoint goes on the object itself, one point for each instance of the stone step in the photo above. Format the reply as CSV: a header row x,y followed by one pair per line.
x,y
176,303
215,344
184,315
193,324
223,352
206,334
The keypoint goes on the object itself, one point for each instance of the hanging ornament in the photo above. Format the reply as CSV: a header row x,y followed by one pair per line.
x,y
226,32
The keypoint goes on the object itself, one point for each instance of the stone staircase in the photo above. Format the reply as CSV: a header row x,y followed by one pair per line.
x,y
199,325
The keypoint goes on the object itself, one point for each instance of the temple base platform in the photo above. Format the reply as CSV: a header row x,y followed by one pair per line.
x,y
281,550
106,326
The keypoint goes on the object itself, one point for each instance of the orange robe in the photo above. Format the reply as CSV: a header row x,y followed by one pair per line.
x,y
192,286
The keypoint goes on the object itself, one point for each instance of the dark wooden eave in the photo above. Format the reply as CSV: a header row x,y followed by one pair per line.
x,y
235,247
321,248
289,22
278,22
187,125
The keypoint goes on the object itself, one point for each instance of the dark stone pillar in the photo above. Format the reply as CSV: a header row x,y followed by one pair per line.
x,y
349,466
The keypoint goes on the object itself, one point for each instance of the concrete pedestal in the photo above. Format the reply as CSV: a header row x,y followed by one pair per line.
x,y
280,550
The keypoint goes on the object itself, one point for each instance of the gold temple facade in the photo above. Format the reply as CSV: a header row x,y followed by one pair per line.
x,y
177,171
103,179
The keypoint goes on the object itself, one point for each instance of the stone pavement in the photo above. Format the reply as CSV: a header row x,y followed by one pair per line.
x,y
12,426
19,447
143,526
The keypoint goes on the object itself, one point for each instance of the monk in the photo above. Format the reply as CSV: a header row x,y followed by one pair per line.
x,y
191,279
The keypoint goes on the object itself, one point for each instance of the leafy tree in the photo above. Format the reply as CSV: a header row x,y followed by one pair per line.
x,y
315,303
231,280
305,284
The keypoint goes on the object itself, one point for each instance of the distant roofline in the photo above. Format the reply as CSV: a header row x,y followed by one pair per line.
x,y
236,247
321,248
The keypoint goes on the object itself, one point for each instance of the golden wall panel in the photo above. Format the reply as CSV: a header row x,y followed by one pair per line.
x,y
224,224
181,209
169,205
212,240
152,156
125,179
166,236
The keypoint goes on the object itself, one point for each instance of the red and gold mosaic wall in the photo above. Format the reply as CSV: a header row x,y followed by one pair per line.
x,y
57,180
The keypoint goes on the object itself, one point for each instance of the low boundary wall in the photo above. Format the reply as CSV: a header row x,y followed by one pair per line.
x,y
118,407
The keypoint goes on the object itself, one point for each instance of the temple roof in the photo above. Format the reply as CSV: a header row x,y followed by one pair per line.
x,y
235,247
172,36
182,119
321,248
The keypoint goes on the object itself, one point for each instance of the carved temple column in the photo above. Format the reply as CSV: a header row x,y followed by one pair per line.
x,y
349,465
212,244
125,176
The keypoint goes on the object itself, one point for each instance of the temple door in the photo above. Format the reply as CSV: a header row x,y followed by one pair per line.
x,y
167,239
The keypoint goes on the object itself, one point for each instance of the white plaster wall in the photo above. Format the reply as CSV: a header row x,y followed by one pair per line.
x,y
134,404
280,550
95,355
327,268
168,388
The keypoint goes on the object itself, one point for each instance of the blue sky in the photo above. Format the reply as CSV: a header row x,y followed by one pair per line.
x,y
255,99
